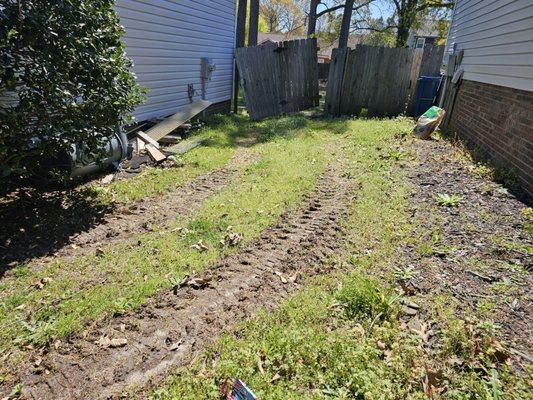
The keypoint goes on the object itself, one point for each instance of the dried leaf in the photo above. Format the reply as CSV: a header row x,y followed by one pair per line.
x,y
281,276
106,342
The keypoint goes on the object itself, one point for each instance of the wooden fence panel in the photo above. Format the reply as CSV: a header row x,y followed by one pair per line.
x,y
432,60
279,78
335,78
380,79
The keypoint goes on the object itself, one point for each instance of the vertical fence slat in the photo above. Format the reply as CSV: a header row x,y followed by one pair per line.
x,y
381,79
278,78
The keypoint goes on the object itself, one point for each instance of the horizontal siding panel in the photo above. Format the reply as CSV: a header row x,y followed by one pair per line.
x,y
185,11
163,41
497,39
518,72
506,81
515,60
480,38
489,11
169,98
166,40
170,87
504,41
221,35
134,17
145,72
169,107
498,24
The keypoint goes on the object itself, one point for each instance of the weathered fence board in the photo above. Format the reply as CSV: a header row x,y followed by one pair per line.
x,y
380,79
432,60
279,78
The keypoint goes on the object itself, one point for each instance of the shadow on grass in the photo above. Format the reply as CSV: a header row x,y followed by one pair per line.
x,y
39,220
37,223
497,171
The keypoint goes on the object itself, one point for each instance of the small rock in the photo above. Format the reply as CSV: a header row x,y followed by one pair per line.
x,y
409,311
112,343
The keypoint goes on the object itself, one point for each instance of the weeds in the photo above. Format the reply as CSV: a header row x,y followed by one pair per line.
x,y
447,200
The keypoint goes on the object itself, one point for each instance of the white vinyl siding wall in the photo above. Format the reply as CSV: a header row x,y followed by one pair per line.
x,y
167,39
497,39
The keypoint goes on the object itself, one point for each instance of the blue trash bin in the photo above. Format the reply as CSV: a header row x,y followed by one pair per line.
x,y
425,93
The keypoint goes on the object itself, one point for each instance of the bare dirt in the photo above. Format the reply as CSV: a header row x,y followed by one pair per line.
x,y
138,348
478,250
68,224
477,253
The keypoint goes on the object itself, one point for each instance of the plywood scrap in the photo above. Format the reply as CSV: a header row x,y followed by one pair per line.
x,y
171,139
155,154
168,125
186,146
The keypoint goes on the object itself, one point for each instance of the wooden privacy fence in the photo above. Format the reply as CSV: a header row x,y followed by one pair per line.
x,y
380,79
279,78
432,60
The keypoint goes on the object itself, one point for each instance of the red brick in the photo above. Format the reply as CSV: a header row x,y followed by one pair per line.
x,y
499,120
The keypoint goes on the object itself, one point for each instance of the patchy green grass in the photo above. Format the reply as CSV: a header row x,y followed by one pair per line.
x,y
223,134
65,296
340,336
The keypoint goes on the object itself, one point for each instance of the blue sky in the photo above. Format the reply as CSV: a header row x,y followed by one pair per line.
x,y
379,8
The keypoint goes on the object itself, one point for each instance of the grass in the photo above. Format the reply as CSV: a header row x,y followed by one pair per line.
x,y
290,154
340,336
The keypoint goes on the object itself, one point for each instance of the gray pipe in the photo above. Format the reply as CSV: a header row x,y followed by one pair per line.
x,y
115,148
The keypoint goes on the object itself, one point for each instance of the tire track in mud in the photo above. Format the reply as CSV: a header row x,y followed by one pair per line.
x,y
141,217
173,327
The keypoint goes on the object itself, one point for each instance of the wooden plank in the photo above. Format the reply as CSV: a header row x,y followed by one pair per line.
x,y
143,136
185,146
155,154
169,124
335,81
415,73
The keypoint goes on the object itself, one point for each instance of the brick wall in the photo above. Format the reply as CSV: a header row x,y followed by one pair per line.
x,y
499,120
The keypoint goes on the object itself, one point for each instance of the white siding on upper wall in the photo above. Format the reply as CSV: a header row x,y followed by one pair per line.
x,y
167,39
497,39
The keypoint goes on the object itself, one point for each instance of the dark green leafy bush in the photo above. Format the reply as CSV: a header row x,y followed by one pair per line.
x,y
64,62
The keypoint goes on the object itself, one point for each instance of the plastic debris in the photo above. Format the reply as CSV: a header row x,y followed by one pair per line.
x,y
429,122
236,391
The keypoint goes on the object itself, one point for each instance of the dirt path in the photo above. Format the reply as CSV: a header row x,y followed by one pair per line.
x,y
122,223
478,250
172,327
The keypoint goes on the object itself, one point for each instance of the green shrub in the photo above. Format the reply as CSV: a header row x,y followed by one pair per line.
x,y
65,63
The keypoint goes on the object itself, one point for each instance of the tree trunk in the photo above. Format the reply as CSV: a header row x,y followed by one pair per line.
x,y
239,42
406,18
311,26
402,34
254,23
346,22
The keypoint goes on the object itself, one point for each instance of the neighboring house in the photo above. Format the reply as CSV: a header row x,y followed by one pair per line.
x,y
494,103
276,37
167,40
324,50
421,37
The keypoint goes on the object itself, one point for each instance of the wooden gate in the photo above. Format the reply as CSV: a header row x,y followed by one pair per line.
x,y
380,79
279,78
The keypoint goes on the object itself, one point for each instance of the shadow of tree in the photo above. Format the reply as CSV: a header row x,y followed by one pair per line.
x,y
37,223
38,220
